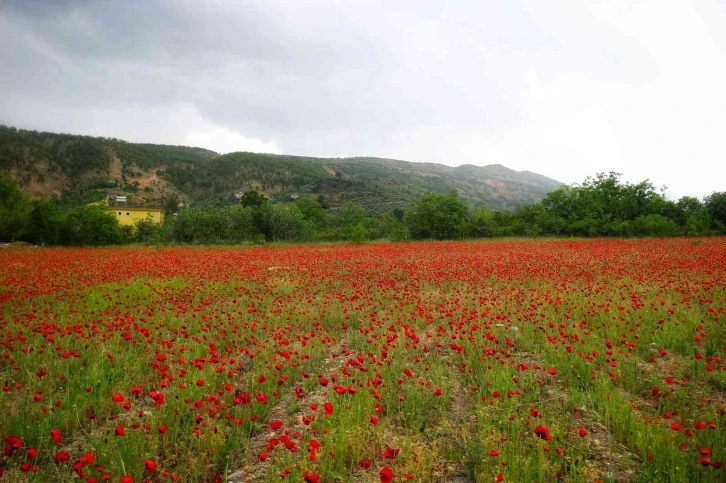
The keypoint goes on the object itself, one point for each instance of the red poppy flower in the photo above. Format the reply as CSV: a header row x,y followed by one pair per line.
x,y
543,432
328,408
386,475
391,453
62,456
150,465
582,432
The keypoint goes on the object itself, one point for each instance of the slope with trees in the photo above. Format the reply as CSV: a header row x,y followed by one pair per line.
x,y
80,169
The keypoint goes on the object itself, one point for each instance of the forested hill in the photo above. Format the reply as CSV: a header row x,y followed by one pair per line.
x,y
85,168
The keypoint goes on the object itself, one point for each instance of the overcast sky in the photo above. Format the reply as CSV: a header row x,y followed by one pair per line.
x,y
563,88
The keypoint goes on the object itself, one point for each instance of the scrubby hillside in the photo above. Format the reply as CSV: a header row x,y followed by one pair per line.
x,y
84,168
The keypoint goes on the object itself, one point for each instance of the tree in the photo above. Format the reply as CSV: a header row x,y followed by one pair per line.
x,y
350,223
390,227
253,199
241,225
90,225
715,205
655,225
171,204
15,210
287,223
147,231
438,216
312,211
46,221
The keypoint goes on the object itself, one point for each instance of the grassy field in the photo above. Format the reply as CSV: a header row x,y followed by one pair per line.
x,y
490,361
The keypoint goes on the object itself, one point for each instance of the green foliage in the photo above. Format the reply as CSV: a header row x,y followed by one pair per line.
x,y
715,205
252,199
391,227
288,223
171,204
312,211
89,225
46,221
605,206
203,177
601,206
15,210
655,225
350,223
438,216
147,231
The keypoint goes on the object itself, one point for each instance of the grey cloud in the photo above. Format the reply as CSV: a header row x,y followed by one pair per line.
x,y
388,78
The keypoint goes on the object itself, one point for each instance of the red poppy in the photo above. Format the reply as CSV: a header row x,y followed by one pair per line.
x,y
62,456
328,408
391,453
543,432
386,475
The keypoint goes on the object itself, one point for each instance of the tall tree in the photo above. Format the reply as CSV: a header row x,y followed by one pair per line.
x,y
438,216
15,210
715,205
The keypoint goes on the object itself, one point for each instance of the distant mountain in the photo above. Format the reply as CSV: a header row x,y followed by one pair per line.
x,y
86,168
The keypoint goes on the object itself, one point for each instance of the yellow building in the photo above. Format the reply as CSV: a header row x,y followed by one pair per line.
x,y
129,215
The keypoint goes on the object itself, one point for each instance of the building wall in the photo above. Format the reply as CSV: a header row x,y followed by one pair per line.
x,y
130,217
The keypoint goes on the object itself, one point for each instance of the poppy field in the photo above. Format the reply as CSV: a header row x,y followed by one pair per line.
x,y
518,361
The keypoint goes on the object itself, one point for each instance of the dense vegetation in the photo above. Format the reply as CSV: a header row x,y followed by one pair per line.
x,y
82,168
603,206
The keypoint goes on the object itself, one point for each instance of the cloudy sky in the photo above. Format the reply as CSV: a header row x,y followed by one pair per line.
x,y
565,88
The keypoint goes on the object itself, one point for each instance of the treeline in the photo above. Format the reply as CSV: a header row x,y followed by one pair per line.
x,y
601,206
605,206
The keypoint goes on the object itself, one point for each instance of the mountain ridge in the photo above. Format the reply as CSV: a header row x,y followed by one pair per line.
x,y
85,167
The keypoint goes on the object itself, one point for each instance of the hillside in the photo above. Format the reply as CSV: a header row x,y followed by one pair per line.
x,y
84,168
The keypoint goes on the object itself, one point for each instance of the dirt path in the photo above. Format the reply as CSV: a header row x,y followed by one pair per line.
x,y
255,470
